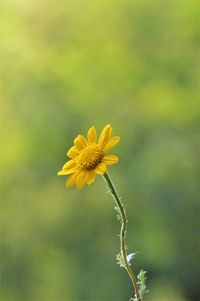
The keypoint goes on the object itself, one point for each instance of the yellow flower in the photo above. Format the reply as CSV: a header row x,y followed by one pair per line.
x,y
89,157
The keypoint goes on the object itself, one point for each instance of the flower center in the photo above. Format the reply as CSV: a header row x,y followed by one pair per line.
x,y
90,156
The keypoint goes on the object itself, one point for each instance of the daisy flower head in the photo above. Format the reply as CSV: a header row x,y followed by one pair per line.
x,y
89,157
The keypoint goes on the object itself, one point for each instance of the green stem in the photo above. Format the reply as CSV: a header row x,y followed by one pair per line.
x,y
124,221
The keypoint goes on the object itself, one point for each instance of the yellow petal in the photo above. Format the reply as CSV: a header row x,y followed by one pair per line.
x,y
91,136
73,152
105,135
110,159
81,178
65,172
80,142
71,180
70,164
91,177
111,143
100,169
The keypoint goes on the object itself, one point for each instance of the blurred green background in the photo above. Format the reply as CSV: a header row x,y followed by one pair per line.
x,y
68,65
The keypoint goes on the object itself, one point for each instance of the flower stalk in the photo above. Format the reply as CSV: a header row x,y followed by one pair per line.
x,y
123,218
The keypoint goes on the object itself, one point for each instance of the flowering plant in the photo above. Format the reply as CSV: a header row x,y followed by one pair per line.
x,y
89,158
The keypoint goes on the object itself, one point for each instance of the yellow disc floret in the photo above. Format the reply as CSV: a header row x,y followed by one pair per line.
x,y
90,156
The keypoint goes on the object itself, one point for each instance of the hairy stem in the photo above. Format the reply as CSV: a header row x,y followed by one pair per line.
x,y
124,221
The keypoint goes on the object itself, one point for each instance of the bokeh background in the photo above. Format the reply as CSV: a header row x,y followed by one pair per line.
x,y
68,65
